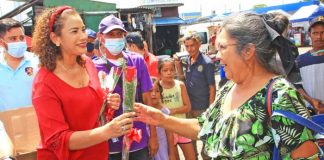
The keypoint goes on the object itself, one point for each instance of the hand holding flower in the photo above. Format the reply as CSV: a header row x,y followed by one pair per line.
x,y
121,125
113,100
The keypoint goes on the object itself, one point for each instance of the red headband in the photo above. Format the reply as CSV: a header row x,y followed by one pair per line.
x,y
58,11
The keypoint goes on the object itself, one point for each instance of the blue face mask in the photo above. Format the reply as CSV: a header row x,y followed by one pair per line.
x,y
90,47
17,49
115,45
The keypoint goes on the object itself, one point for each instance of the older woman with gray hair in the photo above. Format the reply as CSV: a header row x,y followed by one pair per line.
x,y
238,125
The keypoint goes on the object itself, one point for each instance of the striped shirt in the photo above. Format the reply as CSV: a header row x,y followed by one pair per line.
x,y
312,73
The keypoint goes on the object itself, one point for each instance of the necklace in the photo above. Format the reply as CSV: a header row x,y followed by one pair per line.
x,y
67,69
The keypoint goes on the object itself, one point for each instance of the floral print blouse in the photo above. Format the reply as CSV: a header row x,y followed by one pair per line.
x,y
248,132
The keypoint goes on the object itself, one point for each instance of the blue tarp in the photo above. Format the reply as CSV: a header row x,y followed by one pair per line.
x,y
167,21
290,8
307,13
205,19
191,20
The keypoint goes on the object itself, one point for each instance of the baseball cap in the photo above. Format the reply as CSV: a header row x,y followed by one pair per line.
x,y
110,23
134,37
317,20
91,33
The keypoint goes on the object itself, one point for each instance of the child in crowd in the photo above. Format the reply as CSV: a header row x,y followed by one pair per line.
x,y
165,138
175,97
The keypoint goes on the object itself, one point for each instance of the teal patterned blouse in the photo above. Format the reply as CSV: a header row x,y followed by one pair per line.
x,y
247,132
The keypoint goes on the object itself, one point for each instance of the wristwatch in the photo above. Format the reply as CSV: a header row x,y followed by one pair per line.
x,y
7,158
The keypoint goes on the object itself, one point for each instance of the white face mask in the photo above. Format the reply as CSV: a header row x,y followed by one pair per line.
x,y
115,45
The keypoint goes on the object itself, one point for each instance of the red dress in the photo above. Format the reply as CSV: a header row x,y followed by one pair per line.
x,y
62,109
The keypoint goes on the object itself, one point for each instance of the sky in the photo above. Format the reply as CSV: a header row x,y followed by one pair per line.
x,y
205,6
221,6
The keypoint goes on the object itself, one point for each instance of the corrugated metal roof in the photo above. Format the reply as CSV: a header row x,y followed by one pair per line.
x,y
163,5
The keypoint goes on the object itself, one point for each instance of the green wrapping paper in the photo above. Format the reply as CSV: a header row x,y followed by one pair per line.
x,y
129,88
129,92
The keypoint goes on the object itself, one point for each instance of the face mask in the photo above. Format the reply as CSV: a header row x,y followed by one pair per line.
x,y
115,46
17,49
90,47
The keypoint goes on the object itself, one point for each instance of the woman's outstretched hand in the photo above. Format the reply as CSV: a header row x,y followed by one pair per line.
x,y
148,114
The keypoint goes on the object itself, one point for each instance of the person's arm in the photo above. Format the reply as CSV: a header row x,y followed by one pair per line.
x,y
146,86
170,139
6,146
296,140
306,150
178,66
186,101
153,139
210,77
186,127
212,93
56,131
313,101
84,139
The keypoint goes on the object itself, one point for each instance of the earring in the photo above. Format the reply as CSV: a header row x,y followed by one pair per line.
x,y
57,45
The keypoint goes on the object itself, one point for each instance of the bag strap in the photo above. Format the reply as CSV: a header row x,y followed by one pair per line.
x,y
297,118
269,96
300,120
268,103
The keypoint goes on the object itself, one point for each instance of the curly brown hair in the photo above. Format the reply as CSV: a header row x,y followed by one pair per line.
x,y
42,45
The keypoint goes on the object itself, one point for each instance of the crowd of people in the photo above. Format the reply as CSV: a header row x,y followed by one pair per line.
x,y
59,78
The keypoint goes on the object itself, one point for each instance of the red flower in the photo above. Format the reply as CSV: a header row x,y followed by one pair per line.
x,y
130,73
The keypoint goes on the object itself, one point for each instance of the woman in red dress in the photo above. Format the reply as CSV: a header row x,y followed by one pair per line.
x,y
66,92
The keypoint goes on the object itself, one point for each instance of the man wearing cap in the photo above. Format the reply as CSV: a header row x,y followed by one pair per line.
x,y
135,43
111,38
311,66
17,66
91,51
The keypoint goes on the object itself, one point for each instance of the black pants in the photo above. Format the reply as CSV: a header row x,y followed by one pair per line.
x,y
142,154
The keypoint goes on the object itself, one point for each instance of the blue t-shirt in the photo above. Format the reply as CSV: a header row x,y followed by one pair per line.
x,y
16,85
199,76
144,84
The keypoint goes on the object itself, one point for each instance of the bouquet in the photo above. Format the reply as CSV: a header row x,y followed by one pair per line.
x,y
108,84
129,93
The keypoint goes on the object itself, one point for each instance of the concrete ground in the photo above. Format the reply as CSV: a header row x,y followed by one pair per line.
x,y
301,50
